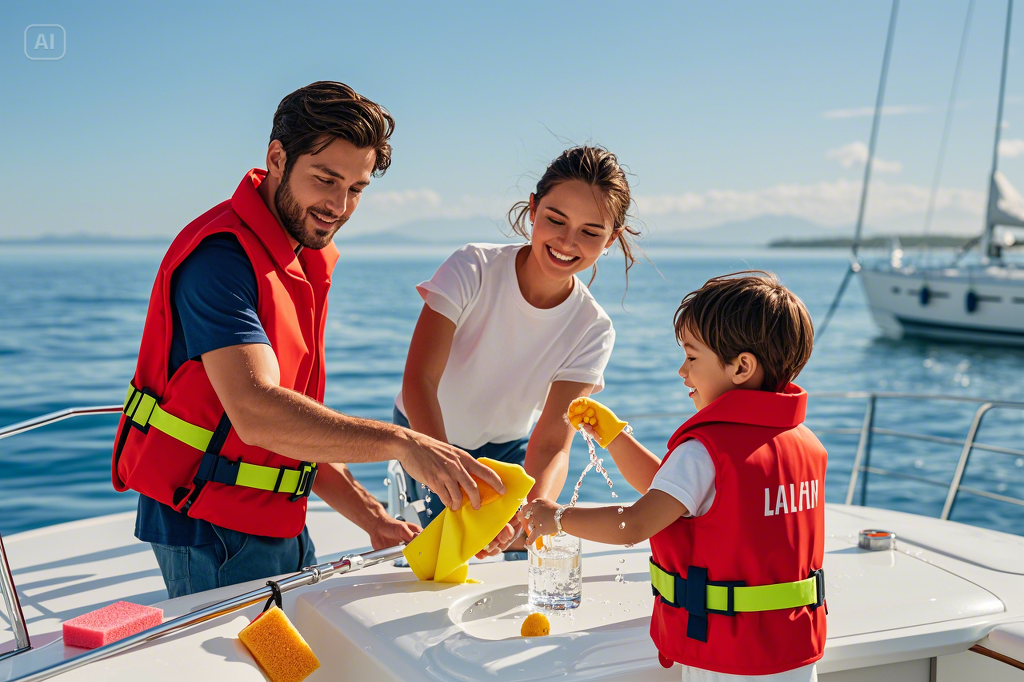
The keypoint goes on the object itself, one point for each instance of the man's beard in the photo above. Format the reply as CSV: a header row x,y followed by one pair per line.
x,y
293,218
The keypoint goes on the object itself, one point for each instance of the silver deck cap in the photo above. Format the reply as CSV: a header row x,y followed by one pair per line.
x,y
876,540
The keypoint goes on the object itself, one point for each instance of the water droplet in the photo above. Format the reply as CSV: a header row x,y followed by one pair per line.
x,y
622,561
620,510
401,500
918,463
387,482
430,513
618,579
617,569
1020,462
625,610
614,494
629,545
423,486
622,525
470,611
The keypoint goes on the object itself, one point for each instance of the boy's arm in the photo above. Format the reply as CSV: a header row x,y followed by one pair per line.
x,y
636,463
652,513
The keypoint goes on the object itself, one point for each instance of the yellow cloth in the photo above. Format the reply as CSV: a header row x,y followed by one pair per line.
x,y
442,551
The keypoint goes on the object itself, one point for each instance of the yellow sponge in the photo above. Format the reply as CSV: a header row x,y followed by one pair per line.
x,y
278,647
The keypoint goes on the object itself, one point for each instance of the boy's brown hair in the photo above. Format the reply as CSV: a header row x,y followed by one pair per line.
x,y
750,312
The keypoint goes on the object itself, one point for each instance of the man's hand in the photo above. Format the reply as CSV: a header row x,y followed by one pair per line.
x,y
445,469
389,532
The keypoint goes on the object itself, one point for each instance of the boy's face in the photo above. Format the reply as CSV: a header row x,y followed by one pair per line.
x,y
708,377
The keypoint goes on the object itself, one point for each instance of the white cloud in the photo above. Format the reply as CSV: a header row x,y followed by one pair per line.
x,y
856,154
892,110
827,203
380,211
1011,149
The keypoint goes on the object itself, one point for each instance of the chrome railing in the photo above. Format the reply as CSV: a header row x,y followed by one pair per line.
x,y
862,465
22,641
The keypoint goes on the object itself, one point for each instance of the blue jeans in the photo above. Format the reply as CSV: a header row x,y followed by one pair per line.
x,y
234,558
513,452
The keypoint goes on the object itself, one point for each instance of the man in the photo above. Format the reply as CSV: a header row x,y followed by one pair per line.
x,y
224,424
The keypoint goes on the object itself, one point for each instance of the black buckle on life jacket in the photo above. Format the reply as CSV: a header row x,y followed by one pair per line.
x,y
819,580
218,469
307,474
692,595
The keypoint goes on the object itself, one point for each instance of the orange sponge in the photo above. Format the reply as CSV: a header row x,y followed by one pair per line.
x,y
278,647
487,493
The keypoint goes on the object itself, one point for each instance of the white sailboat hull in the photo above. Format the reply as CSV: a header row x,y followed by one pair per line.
x,y
895,299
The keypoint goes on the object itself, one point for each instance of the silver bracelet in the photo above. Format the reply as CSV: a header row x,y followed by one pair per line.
x,y
558,517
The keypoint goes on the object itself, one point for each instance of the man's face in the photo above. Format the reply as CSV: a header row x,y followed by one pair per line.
x,y
320,192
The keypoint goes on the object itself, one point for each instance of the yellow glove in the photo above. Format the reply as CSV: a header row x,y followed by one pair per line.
x,y
602,420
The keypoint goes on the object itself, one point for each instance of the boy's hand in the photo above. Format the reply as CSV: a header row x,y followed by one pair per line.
x,y
602,421
538,518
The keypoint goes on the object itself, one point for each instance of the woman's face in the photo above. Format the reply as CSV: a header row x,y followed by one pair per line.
x,y
571,228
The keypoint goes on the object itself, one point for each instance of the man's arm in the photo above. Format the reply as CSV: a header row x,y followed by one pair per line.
x,y
247,379
336,486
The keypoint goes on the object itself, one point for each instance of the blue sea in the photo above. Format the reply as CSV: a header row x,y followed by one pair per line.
x,y
71,316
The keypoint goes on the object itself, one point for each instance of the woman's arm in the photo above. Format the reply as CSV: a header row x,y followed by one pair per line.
x,y
547,454
652,513
428,356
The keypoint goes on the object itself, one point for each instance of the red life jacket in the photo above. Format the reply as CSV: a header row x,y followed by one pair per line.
x,y
198,478
766,526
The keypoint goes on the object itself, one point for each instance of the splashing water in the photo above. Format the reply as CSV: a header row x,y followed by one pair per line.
x,y
594,463
387,482
620,510
622,525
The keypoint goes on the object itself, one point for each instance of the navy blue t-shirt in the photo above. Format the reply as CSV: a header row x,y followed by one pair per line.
x,y
214,299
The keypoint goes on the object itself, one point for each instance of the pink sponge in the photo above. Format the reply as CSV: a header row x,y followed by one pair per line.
x,y
109,624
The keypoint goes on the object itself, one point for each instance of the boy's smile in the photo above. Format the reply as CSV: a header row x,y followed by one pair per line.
x,y
708,376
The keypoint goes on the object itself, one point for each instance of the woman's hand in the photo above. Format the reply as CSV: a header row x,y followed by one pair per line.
x,y
538,517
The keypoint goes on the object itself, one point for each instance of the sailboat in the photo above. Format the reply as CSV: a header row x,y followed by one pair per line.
x,y
975,301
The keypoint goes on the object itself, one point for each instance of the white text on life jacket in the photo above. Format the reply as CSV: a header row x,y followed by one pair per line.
x,y
790,499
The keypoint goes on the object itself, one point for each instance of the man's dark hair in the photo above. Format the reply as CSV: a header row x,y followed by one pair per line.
x,y
750,312
311,118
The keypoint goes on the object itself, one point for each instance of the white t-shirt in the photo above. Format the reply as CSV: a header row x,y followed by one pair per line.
x,y
689,476
506,353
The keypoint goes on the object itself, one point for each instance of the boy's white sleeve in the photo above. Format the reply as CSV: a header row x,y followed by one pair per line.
x,y
587,362
455,283
688,476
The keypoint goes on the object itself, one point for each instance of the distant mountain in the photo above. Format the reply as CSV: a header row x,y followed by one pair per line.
x,y
757,231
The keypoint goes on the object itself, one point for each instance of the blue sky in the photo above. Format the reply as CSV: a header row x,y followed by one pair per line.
x,y
721,110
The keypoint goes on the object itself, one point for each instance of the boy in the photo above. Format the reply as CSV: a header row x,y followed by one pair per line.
x,y
736,504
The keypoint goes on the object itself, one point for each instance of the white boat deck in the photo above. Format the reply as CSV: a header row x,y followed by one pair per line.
x,y
943,590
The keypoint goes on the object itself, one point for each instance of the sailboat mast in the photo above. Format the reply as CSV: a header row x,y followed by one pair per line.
x,y
879,100
986,245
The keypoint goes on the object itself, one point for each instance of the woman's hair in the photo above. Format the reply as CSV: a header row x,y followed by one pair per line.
x,y
750,312
599,168
311,118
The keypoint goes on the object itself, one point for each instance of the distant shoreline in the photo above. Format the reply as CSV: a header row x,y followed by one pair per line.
x,y
906,241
